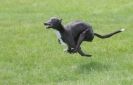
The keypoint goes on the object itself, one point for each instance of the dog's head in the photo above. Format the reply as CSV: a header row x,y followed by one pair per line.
x,y
53,22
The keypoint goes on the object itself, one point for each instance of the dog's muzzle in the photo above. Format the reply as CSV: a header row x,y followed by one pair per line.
x,y
47,25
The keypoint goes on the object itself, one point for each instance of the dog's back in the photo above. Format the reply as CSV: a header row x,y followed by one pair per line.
x,y
77,27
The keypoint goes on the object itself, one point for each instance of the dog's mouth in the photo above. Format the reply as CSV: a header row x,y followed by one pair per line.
x,y
48,25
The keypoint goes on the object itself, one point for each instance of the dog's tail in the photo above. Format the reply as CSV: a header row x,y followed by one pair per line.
x,y
109,35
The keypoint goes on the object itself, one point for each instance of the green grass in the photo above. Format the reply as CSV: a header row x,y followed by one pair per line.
x,y
31,55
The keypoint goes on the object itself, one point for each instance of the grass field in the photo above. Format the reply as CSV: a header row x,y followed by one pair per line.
x,y
31,55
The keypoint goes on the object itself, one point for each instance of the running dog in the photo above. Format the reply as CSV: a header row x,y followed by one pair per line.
x,y
74,33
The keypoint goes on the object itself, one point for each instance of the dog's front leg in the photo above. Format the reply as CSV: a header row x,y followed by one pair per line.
x,y
71,44
69,50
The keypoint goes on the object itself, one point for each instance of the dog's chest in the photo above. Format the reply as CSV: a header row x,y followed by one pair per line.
x,y
60,38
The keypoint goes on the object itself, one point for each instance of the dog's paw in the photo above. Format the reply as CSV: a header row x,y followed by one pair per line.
x,y
88,55
68,51
74,50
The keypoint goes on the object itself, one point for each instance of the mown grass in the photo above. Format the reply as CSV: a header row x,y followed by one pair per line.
x,y
31,55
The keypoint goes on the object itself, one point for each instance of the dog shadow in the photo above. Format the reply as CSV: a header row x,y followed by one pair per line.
x,y
92,67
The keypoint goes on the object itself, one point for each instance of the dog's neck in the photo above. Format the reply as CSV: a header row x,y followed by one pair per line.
x,y
60,28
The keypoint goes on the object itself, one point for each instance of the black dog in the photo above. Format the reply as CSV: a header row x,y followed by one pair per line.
x,y
73,34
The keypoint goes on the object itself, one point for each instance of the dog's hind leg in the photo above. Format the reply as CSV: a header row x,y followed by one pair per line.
x,y
80,39
82,53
